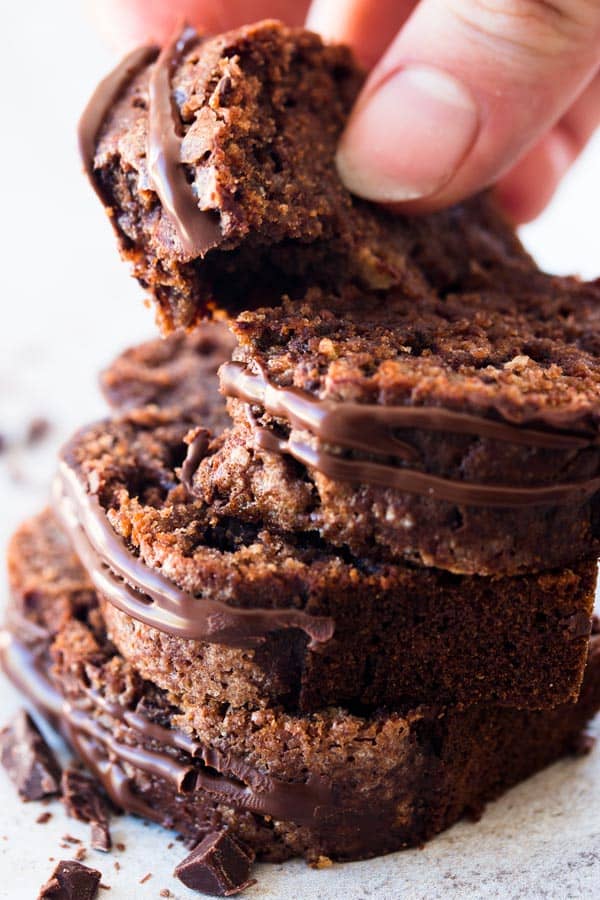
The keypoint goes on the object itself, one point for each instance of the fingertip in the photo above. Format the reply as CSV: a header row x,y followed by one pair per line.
x,y
408,136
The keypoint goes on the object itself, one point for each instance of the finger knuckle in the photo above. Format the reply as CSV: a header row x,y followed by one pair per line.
x,y
541,27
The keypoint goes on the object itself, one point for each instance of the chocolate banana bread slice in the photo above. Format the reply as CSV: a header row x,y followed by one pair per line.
x,y
179,371
230,609
464,434
216,163
332,783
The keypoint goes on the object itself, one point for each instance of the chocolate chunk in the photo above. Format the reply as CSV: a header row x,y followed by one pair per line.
x,y
71,881
219,866
28,759
578,625
84,802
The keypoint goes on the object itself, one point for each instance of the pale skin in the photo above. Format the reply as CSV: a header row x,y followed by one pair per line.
x,y
461,94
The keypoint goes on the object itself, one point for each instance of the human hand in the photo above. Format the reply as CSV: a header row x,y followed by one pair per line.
x,y
468,93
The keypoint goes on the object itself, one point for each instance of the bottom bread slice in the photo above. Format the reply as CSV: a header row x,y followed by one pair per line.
x,y
331,783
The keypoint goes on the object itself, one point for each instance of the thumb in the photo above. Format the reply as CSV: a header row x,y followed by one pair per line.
x,y
463,91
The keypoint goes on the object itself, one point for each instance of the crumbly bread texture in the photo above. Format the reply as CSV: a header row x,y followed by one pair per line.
x,y
531,360
260,111
179,371
391,779
400,633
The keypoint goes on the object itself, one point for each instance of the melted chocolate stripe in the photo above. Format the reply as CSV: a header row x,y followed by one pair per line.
x,y
341,423
414,482
335,422
103,752
155,763
145,594
102,99
198,230
109,773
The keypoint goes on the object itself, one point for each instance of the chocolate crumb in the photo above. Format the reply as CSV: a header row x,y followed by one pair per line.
x,y
165,893
120,847
71,881
70,839
117,865
83,801
219,866
80,853
28,760
105,887
44,817
583,744
37,430
146,878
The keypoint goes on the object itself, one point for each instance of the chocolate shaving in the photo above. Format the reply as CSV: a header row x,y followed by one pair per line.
x,y
83,801
219,866
71,881
28,760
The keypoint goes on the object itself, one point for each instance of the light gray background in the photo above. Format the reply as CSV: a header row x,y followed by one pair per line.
x,y
68,305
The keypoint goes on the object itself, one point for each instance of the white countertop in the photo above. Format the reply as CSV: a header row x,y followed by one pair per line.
x,y
68,306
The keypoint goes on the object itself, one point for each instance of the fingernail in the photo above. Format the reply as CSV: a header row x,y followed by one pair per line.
x,y
409,137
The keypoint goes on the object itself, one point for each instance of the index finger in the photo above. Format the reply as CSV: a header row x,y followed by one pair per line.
x,y
129,23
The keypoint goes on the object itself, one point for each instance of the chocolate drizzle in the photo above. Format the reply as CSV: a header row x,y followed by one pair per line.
x,y
196,768
101,101
346,424
146,595
196,453
198,230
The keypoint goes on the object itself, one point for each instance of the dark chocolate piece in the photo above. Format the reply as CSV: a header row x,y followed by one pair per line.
x,y
219,866
28,760
83,802
71,881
